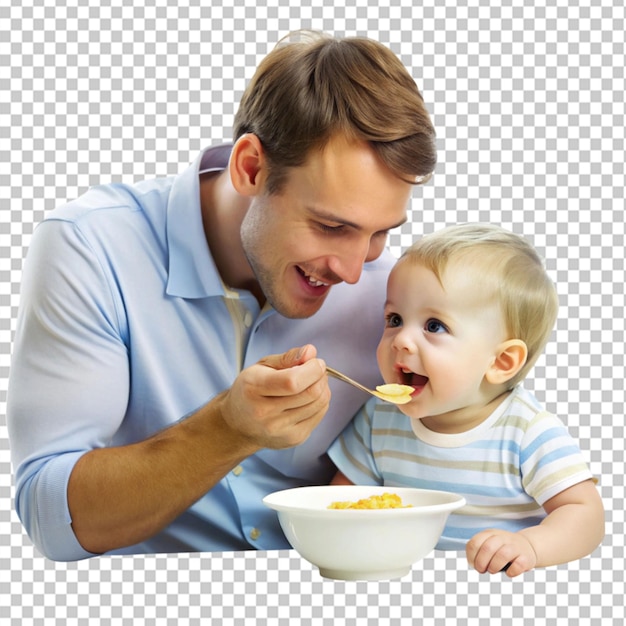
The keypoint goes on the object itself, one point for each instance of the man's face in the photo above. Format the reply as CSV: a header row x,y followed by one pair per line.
x,y
332,215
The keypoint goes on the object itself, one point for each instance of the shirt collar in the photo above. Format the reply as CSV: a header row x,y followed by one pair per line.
x,y
192,271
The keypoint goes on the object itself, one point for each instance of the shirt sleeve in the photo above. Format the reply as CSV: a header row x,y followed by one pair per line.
x,y
69,379
551,460
352,451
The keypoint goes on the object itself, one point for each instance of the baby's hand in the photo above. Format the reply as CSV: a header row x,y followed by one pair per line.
x,y
492,550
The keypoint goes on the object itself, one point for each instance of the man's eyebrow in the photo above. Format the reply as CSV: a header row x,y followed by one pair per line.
x,y
329,217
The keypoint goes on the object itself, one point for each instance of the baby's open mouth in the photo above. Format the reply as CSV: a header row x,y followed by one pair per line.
x,y
415,380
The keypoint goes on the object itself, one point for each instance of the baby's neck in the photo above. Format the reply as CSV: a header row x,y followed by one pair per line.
x,y
464,419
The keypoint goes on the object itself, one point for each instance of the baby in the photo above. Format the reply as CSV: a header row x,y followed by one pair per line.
x,y
469,309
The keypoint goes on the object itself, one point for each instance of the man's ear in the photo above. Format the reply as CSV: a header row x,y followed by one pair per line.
x,y
509,360
247,165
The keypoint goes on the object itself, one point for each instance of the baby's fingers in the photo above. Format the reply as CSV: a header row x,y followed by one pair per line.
x,y
516,567
495,551
489,552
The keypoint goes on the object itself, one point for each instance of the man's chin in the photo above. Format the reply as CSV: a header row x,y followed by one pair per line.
x,y
299,310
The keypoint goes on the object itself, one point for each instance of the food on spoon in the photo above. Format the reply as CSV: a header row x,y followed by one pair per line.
x,y
400,394
384,501
393,389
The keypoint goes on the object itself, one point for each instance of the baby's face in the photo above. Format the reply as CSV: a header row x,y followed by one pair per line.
x,y
441,340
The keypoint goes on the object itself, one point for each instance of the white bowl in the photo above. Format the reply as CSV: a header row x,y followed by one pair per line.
x,y
362,544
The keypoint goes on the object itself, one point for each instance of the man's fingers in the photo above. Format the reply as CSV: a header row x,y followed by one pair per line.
x,y
281,398
291,358
300,381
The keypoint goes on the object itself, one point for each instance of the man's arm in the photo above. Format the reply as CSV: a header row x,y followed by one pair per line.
x,y
122,496
69,393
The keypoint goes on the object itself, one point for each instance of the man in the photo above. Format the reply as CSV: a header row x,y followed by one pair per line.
x,y
144,413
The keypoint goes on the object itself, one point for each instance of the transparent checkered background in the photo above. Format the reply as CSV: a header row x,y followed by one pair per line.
x,y
528,103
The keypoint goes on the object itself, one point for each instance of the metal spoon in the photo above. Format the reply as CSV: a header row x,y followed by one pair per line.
x,y
396,394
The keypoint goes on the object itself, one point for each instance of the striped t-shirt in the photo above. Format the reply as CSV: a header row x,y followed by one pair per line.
x,y
506,467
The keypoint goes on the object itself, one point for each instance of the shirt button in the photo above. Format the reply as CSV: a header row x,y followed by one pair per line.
x,y
255,533
247,319
237,470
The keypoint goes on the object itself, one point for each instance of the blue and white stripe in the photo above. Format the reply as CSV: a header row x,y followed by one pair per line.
x,y
506,468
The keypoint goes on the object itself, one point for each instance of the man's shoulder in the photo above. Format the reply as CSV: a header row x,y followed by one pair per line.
x,y
126,198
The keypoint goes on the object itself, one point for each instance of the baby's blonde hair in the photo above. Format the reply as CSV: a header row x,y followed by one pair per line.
x,y
508,269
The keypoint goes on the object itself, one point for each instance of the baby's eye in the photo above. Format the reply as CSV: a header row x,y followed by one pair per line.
x,y
435,326
393,320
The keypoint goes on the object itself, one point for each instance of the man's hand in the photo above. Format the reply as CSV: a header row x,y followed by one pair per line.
x,y
280,400
493,550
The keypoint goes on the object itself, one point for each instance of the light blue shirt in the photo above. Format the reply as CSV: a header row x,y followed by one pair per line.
x,y
506,468
125,327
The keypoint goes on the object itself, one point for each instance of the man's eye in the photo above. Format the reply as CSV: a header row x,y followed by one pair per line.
x,y
435,326
393,320
331,229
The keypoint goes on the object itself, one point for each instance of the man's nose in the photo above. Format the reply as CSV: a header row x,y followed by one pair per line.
x,y
349,265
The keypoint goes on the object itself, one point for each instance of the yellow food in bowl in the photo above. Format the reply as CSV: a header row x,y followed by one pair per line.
x,y
384,501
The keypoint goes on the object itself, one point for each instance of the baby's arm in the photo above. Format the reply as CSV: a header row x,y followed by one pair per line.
x,y
573,528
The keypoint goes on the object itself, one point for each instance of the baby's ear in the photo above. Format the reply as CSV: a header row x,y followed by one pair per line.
x,y
510,358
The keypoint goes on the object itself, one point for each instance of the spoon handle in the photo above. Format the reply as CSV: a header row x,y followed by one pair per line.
x,y
402,398
346,379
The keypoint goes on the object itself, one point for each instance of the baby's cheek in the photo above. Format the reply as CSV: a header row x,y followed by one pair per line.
x,y
382,354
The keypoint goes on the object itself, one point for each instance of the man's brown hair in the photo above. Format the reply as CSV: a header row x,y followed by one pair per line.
x,y
311,87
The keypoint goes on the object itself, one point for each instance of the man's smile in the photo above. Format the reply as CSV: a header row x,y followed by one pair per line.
x,y
315,285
